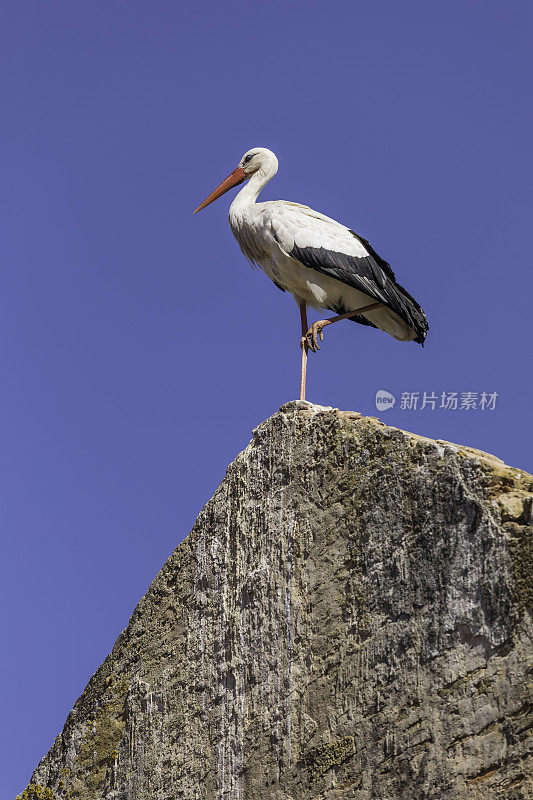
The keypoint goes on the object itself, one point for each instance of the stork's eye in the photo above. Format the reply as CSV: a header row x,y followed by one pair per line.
x,y
249,158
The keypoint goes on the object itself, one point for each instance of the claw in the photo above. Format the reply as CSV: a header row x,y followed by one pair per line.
x,y
315,331
311,337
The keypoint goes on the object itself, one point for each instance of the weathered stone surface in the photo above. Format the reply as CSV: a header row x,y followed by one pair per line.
x,y
347,619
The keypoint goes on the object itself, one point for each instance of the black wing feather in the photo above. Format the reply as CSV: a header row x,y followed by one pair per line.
x,y
371,275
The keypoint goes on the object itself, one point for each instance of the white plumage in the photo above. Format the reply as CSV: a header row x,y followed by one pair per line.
x,y
322,263
268,232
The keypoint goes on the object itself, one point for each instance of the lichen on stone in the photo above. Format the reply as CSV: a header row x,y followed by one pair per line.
x,y
521,548
34,791
103,732
321,759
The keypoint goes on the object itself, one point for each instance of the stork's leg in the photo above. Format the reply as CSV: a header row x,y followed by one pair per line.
x,y
304,344
311,336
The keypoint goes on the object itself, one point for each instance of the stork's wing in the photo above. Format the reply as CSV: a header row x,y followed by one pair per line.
x,y
321,243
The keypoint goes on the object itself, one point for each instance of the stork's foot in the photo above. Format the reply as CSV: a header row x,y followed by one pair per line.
x,y
310,340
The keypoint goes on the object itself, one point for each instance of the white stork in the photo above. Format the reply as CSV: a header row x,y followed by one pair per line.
x,y
322,263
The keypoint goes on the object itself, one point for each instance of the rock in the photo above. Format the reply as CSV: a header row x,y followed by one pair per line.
x,y
347,619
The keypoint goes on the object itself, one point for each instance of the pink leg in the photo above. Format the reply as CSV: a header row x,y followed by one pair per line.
x,y
304,344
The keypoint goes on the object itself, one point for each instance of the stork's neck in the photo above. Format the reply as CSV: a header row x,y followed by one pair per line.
x,y
250,191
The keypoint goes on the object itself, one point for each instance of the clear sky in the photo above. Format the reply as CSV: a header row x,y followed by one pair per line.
x,y
138,347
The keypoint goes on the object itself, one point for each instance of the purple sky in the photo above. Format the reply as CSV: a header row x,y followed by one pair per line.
x,y
138,347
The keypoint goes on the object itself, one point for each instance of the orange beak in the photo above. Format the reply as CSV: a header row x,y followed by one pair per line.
x,y
237,176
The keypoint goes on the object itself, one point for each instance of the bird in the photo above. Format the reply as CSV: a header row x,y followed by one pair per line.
x,y
322,263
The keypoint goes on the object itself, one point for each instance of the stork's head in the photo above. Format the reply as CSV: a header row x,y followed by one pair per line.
x,y
257,160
